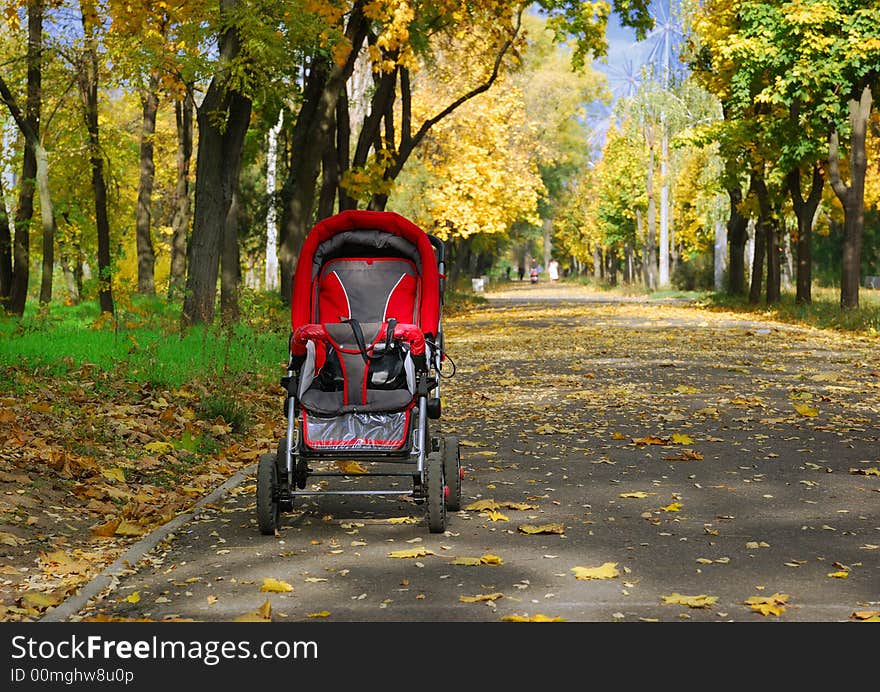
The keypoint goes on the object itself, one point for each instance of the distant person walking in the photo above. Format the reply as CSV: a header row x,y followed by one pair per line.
x,y
533,275
553,270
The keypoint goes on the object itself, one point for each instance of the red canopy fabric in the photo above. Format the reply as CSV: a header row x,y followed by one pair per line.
x,y
356,219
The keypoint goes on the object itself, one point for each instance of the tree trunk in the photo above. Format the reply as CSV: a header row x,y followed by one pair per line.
x,y
217,167
756,285
146,256
5,249
343,144
651,279
88,84
774,275
805,211
329,176
69,279
852,197
223,120
629,265
47,219
230,275
29,124
738,235
311,132
271,273
664,244
547,233
768,232
183,111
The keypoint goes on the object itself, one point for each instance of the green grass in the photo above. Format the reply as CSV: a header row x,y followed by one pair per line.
x,y
143,344
823,312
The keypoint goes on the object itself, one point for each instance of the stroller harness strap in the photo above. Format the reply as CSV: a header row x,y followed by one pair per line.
x,y
359,337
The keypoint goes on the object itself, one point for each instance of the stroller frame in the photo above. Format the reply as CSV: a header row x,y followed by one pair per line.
x,y
434,458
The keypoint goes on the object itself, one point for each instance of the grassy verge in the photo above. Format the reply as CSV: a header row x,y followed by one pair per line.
x,y
143,344
823,312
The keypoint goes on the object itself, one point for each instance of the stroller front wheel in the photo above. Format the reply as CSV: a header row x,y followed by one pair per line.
x,y
268,509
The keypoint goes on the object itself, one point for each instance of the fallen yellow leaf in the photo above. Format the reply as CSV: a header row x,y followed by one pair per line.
x,y
481,597
866,472
114,474
59,563
806,410
275,585
534,618
133,597
494,515
638,495
106,530
672,507
159,447
411,552
319,614
127,528
650,440
607,571
701,601
681,439
685,455
866,615
839,574
403,520
353,467
261,614
489,559
517,505
768,605
543,528
41,599
482,505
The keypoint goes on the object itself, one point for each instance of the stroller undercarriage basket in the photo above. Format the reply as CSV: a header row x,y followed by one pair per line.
x,y
366,359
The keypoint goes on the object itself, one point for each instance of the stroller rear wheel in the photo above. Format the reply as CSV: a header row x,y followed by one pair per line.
x,y
436,492
449,449
268,509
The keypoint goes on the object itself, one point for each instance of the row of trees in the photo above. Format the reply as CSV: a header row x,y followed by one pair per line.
x,y
191,145
770,127
348,95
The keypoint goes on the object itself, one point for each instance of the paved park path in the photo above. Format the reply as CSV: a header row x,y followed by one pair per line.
x,y
626,460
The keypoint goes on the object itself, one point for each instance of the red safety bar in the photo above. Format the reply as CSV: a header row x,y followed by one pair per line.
x,y
317,332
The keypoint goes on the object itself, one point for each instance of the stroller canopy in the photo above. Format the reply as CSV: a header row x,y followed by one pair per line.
x,y
375,232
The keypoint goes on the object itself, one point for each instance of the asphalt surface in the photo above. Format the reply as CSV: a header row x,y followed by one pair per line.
x,y
636,461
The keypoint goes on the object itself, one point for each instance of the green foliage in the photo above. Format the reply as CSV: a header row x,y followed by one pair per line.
x,y
229,408
143,346
694,273
823,312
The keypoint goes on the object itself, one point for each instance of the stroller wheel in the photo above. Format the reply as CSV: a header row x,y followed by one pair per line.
x,y
449,450
435,484
268,509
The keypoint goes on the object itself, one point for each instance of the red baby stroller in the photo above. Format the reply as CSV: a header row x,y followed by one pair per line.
x,y
363,380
